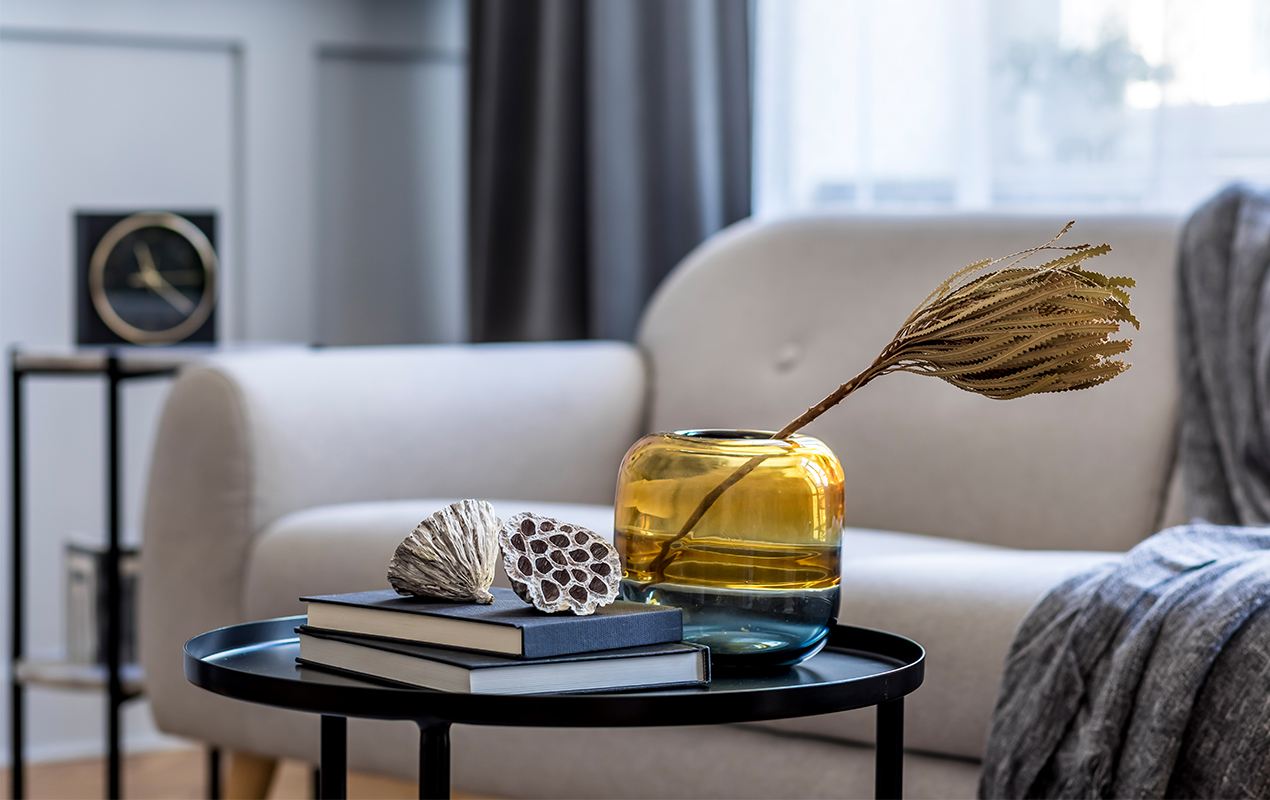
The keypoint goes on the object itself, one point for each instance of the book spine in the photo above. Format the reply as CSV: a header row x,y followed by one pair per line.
x,y
601,633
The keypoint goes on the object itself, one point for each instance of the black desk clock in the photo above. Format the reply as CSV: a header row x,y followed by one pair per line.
x,y
148,278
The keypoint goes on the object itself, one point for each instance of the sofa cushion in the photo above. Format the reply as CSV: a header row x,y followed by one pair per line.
x,y
964,608
346,547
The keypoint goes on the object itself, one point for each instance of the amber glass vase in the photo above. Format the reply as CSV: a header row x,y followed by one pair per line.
x,y
758,576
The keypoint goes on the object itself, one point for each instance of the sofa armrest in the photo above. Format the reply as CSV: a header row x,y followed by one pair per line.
x,y
247,438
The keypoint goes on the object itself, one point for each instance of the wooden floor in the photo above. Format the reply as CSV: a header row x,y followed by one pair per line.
x,y
182,775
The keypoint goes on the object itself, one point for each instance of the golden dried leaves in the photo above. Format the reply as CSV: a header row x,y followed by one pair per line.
x,y
1019,330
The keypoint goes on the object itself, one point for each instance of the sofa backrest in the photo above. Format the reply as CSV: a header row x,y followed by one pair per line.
x,y
764,320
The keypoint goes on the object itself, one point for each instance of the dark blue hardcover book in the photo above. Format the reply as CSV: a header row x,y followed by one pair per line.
x,y
448,670
509,626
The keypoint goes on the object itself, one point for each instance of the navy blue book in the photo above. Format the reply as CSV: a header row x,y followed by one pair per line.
x,y
509,626
409,664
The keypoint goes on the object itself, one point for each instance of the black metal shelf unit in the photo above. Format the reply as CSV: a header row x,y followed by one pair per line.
x,y
121,682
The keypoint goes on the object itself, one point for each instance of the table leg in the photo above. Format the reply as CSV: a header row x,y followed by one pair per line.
x,y
17,698
889,777
434,760
213,773
114,626
334,769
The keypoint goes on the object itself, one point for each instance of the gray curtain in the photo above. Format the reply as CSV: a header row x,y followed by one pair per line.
x,y
608,138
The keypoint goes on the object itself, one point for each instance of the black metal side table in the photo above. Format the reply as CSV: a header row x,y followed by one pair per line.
x,y
121,682
255,661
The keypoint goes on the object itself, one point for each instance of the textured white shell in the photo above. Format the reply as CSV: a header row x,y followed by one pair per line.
x,y
451,555
559,566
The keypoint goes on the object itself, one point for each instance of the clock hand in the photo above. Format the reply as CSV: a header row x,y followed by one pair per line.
x,y
155,282
176,277
168,292
145,259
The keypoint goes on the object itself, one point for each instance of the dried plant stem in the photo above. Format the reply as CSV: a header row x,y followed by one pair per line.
x,y
668,550
875,369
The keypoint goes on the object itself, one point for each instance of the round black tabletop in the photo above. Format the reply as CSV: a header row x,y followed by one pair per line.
x,y
256,661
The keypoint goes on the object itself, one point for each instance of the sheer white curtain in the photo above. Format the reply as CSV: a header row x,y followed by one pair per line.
x,y
1027,105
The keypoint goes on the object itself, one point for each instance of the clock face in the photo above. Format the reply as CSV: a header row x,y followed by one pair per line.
x,y
152,278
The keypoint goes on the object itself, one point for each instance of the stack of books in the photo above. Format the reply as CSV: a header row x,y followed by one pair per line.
x,y
508,647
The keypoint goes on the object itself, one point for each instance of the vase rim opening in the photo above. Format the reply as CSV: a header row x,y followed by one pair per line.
x,y
727,434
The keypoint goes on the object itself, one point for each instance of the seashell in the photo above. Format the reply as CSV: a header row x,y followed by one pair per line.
x,y
558,566
451,555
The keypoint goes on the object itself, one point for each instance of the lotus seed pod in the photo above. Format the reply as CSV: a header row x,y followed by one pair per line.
x,y
558,566
451,555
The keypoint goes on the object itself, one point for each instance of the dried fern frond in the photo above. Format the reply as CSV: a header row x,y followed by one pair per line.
x,y
1005,334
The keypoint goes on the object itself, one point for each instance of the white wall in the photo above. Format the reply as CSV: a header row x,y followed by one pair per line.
x,y
273,114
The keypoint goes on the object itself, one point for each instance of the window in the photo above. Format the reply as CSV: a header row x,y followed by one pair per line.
x,y
1008,105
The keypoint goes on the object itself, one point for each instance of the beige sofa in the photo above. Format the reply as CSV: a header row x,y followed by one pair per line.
x,y
289,473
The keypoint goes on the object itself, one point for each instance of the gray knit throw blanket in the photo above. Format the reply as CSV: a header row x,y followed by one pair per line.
x,y
1223,342
1150,676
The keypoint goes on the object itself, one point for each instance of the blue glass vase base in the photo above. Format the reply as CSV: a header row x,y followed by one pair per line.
x,y
760,628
